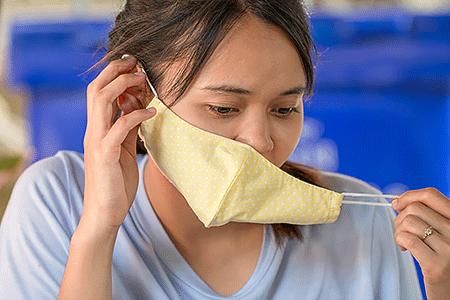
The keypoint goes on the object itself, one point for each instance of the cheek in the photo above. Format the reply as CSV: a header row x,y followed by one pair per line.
x,y
286,141
222,128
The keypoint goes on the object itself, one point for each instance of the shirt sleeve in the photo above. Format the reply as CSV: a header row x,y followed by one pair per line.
x,y
394,273
35,232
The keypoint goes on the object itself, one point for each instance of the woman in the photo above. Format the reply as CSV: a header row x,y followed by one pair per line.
x,y
111,225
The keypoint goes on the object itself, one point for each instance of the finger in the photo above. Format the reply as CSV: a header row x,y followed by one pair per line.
x,y
427,215
434,261
422,252
126,123
115,88
129,143
403,224
412,224
429,196
417,226
111,71
102,110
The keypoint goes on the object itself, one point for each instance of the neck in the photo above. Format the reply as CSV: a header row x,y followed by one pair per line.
x,y
178,219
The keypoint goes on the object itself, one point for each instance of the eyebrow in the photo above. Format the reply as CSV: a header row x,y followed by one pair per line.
x,y
297,90
227,89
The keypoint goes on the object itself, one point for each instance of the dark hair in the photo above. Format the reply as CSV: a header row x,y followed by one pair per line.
x,y
160,33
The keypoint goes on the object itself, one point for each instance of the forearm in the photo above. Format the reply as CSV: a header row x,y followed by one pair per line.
x,y
88,269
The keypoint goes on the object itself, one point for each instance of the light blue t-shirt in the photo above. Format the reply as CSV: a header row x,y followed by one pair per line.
x,y
353,258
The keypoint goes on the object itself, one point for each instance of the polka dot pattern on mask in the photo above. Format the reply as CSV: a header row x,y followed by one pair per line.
x,y
224,180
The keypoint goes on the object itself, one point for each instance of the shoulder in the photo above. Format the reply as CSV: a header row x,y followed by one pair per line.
x,y
35,232
344,183
357,253
362,215
55,177
360,220
63,164
52,188
57,182
371,230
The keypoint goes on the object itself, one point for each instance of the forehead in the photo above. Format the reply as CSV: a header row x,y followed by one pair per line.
x,y
254,51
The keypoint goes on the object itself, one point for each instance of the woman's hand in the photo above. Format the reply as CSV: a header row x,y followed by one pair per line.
x,y
110,147
111,178
419,210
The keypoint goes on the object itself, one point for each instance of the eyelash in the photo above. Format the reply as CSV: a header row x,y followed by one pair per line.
x,y
216,110
289,112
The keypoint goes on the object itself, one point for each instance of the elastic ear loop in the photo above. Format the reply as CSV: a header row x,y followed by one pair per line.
x,y
146,77
148,81
358,195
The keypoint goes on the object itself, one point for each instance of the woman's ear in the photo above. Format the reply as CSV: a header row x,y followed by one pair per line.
x,y
135,97
140,68
150,93
147,94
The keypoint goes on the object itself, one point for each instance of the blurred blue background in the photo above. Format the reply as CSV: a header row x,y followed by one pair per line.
x,y
380,110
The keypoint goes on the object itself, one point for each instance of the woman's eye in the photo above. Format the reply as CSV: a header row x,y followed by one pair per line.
x,y
286,111
221,110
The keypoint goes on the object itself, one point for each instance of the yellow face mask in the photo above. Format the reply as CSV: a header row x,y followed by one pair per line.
x,y
224,180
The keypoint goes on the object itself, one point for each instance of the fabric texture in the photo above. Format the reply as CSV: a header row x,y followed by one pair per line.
x,y
352,258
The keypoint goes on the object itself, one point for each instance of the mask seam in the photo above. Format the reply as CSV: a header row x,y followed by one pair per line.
x,y
335,201
228,189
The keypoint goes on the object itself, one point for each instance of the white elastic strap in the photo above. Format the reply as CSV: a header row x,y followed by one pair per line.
x,y
368,195
146,77
358,195
366,203
149,83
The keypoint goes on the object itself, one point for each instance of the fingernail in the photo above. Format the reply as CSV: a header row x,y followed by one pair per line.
x,y
139,74
151,109
394,203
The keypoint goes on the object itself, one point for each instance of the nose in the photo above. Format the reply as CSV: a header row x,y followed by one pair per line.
x,y
256,132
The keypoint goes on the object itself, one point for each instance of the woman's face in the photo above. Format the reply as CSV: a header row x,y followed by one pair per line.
x,y
250,90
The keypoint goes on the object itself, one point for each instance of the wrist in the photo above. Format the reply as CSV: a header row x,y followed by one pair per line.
x,y
93,228
93,233
93,245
